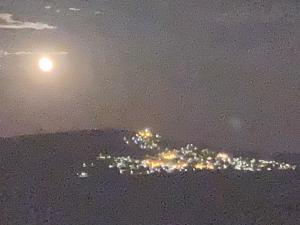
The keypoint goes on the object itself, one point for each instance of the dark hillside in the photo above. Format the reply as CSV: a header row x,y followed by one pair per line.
x,y
38,185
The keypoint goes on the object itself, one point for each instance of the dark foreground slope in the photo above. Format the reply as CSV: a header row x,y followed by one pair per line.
x,y
38,185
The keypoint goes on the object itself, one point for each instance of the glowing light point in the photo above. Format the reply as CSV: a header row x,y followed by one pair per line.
x,y
45,64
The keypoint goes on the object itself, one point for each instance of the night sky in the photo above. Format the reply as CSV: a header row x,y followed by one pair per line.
x,y
221,73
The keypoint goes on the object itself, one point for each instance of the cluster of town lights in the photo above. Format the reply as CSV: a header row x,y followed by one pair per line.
x,y
162,159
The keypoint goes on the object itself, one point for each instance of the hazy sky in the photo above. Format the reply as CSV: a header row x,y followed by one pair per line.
x,y
223,73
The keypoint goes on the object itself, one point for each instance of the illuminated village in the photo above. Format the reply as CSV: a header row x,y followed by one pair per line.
x,y
189,158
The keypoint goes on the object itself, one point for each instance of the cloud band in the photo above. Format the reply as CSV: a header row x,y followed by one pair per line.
x,y
10,23
20,53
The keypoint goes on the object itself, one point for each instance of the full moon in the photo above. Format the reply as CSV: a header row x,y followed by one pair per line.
x,y
45,64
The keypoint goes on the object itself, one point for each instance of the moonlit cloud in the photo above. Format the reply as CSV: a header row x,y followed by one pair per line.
x,y
10,23
74,9
20,53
